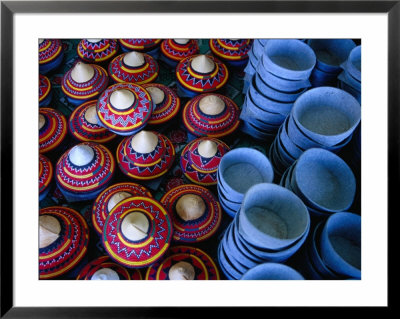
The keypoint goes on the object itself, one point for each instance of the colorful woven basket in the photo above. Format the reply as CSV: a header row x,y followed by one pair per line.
x,y
129,118
52,129
167,103
77,92
84,171
201,263
217,124
173,51
200,166
97,50
198,229
149,46
45,93
69,243
51,54
45,176
143,69
107,198
232,52
84,125
137,232
146,166
192,82
100,268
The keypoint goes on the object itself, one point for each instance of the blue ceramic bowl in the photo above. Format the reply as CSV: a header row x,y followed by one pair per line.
x,y
286,97
272,271
331,53
353,63
325,180
228,269
278,83
340,244
264,120
326,114
267,103
289,58
274,216
294,150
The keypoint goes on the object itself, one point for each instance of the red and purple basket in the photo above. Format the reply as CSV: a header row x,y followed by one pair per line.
x,y
63,251
45,176
146,166
195,228
84,125
52,130
84,171
233,52
124,108
80,92
137,232
175,50
167,103
201,264
133,67
97,51
193,80
103,268
51,54
108,198
200,160
212,115
149,46
45,93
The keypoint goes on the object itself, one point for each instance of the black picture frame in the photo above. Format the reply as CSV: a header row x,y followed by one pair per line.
x,y
9,8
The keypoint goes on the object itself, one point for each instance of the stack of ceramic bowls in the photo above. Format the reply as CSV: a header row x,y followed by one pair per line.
x,y
350,78
240,169
254,54
323,181
333,249
282,75
271,226
323,117
331,53
272,271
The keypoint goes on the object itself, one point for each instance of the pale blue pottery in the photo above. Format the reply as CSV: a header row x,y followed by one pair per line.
x,y
331,53
344,258
353,63
325,180
272,271
229,270
313,105
285,204
289,58
294,150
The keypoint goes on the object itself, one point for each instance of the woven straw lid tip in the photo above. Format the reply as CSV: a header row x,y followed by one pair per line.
x,y
81,155
135,226
211,104
190,207
202,64
49,230
207,148
181,271
105,274
144,142
134,59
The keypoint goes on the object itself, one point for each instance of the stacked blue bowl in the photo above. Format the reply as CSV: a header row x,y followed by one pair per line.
x,y
331,54
350,77
254,54
281,76
332,251
323,117
272,271
238,170
270,227
323,181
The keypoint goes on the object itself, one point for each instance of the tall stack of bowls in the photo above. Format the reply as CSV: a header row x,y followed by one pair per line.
x,y
281,76
323,117
333,249
331,53
240,169
254,54
323,181
350,77
271,226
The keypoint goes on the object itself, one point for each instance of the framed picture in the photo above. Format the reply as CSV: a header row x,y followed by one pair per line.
x,y
372,24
